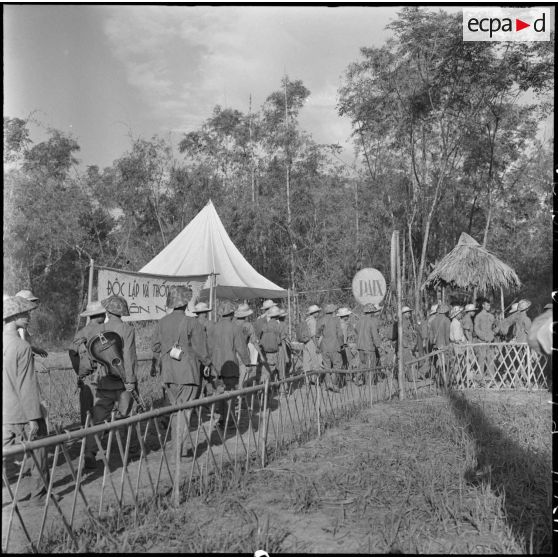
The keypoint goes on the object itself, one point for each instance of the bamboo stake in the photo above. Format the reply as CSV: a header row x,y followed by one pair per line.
x,y
399,323
90,284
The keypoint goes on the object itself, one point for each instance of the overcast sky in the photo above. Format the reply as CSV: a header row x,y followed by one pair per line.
x,y
103,72
100,72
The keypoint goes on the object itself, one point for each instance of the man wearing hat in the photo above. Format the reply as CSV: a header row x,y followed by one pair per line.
x,y
88,370
409,340
329,329
207,374
269,336
178,349
440,328
248,334
540,334
114,392
484,331
349,352
368,339
22,416
311,358
23,332
522,322
431,315
284,352
467,322
229,346
506,328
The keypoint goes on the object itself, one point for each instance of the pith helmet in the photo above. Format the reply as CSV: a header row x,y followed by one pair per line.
x,y
116,305
26,293
243,311
455,311
433,310
470,308
523,305
227,309
330,308
443,308
178,296
93,309
201,307
313,309
369,308
513,308
268,304
548,306
15,305
274,312
342,312
405,309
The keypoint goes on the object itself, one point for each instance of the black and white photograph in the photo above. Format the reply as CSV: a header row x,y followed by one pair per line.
x,y
278,279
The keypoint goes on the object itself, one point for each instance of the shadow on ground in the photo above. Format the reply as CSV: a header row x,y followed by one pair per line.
x,y
521,476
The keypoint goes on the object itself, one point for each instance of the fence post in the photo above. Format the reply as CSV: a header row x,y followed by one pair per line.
x,y
444,373
529,366
319,394
265,413
178,452
370,386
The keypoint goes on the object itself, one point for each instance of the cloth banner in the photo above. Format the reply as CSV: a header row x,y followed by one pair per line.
x,y
145,294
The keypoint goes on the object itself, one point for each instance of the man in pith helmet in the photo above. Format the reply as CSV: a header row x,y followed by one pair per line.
x,y
249,336
311,358
178,350
229,347
368,339
523,322
409,340
208,374
114,392
467,322
484,330
24,333
329,329
90,374
22,416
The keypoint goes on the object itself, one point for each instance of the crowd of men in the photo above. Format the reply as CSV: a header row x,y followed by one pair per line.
x,y
195,356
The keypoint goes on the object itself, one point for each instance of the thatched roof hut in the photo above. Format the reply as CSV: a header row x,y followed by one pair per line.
x,y
470,266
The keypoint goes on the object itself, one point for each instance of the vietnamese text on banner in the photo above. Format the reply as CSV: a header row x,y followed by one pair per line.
x,y
146,295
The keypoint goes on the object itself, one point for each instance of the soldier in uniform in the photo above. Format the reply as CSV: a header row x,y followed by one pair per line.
x,y
329,329
207,374
409,340
368,340
269,338
431,315
484,331
284,352
178,349
506,328
112,391
349,352
522,322
22,416
23,332
229,346
86,369
467,322
311,359
249,336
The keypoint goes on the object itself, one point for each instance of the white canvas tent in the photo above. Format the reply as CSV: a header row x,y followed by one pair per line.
x,y
204,247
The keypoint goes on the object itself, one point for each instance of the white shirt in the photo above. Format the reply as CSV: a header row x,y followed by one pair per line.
x,y
456,332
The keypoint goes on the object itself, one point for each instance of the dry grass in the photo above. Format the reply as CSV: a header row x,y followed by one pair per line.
x,y
459,475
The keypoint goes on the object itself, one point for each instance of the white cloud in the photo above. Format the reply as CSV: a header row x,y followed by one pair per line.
x,y
184,60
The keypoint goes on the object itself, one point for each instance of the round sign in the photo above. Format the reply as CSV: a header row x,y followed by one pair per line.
x,y
369,286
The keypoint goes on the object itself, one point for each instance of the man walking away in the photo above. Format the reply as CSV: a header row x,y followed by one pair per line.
x,y
178,350
22,416
311,359
89,372
112,390
368,340
207,374
329,329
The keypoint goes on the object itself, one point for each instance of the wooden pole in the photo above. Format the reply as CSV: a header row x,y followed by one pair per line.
x,y
289,311
90,284
502,303
400,326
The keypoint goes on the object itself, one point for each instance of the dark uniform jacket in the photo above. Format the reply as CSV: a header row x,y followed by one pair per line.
x,y
440,331
186,332
468,326
229,342
522,327
208,326
20,390
484,326
409,334
329,328
270,334
368,337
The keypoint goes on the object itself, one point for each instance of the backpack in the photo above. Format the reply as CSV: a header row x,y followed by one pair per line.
x,y
302,332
